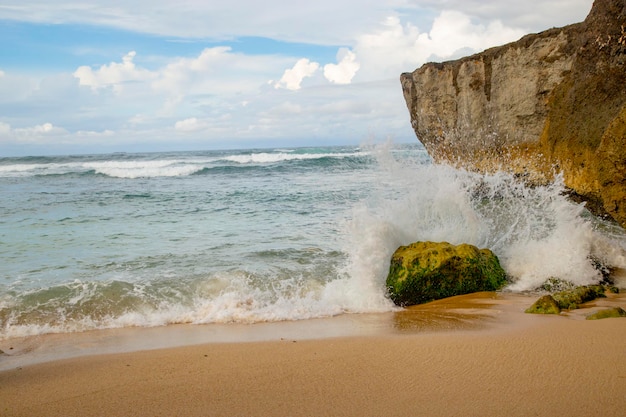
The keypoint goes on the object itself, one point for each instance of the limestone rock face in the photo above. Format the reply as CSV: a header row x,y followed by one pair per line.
x,y
427,271
551,102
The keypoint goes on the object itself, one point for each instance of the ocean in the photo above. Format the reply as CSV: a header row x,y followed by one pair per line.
x,y
246,236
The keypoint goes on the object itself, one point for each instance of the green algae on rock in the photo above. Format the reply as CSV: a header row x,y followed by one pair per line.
x,y
567,300
544,305
427,271
607,313
572,299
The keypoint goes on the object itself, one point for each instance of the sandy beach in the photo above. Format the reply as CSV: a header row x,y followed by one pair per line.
x,y
477,355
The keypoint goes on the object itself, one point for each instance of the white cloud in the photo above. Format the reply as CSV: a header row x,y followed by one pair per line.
x,y
181,85
191,124
344,70
93,134
395,48
453,30
5,128
292,77
182,73
530,15
329,22
324,20
31,134
46,128
214,73
115,74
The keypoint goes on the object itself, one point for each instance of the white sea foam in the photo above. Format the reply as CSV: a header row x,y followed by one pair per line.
x,y
148,168
143,169
119,169
16,170
268,158
231,298
28,170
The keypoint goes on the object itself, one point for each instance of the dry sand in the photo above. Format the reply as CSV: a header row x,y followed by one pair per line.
x,y
468,356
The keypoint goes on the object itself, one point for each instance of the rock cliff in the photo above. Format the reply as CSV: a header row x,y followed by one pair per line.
x,y
552,102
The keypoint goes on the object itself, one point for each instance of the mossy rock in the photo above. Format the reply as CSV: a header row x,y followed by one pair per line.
x,y
427,271
567,300
572,299
545,305
607,313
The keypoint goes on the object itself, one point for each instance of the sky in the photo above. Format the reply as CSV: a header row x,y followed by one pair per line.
x,y
95,76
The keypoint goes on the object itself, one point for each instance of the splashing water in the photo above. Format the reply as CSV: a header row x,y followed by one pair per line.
x,y
536,232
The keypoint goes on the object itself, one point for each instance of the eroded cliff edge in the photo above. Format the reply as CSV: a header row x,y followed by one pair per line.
x,y
552,102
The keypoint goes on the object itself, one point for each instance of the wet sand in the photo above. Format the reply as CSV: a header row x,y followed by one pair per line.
x,y
476,355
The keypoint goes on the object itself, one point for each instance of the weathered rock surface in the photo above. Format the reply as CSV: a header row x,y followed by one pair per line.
x,y
551,102
427,271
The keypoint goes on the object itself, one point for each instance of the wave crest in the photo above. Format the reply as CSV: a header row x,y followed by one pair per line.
x,y
131,166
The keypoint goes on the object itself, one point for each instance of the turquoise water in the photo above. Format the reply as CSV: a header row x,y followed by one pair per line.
x,y
101,241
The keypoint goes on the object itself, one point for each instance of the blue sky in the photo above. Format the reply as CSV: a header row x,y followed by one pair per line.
x,y
103,76
35,47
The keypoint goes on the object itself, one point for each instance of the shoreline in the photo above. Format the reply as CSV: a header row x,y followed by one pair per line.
x,y
464,312
469,355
